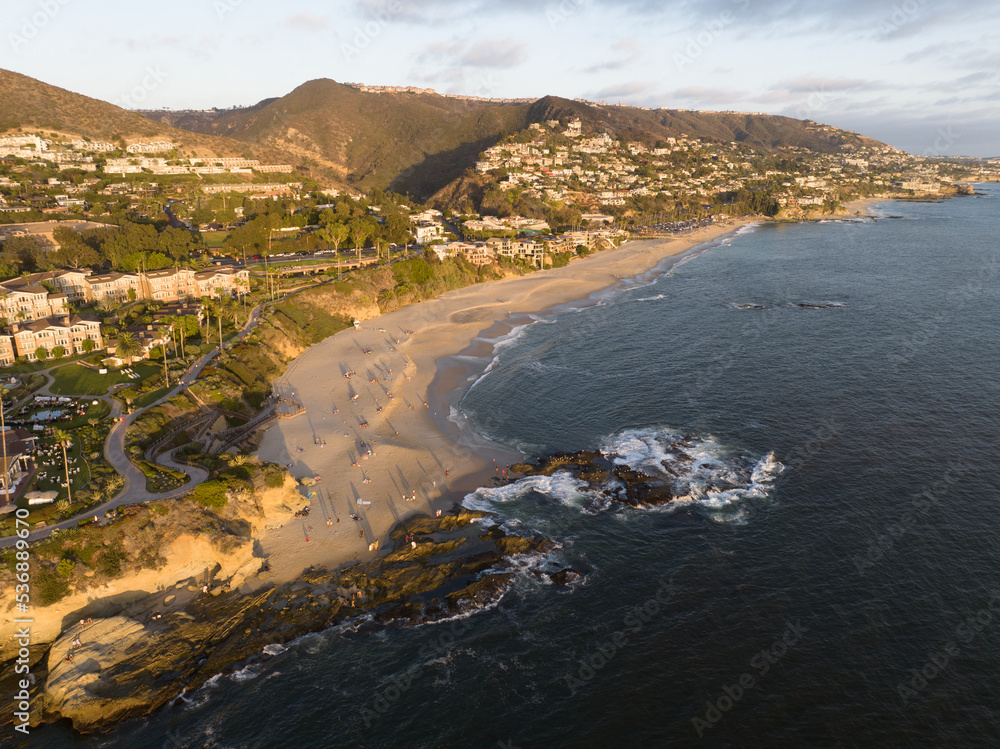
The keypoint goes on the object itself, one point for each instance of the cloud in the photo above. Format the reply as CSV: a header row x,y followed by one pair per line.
x,y
808,84
630,50
482,53
307,22
622,91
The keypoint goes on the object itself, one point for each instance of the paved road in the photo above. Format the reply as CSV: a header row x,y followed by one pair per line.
x,y
134,490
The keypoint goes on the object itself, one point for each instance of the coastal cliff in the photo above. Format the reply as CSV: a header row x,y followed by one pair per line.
x,y
104,670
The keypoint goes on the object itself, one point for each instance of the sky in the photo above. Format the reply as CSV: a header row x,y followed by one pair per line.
x,y
921,75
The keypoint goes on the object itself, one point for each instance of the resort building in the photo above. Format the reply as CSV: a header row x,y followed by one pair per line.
x,y
23,300
69,333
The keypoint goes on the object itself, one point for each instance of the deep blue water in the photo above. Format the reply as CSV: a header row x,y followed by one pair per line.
x,y
788,612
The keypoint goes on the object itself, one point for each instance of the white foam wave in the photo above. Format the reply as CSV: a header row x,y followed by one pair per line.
x,y
274,649
562,486
251,671
699,470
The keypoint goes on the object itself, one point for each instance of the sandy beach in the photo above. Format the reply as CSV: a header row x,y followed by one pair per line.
x,y
387,406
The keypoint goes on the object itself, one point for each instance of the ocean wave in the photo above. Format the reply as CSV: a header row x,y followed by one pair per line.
x,y
698,470
561,486
682,470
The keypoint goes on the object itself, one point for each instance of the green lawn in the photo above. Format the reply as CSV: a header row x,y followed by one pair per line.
x,y
37,366
76,379
151,397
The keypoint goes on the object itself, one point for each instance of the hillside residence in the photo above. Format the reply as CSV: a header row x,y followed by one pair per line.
x,y
271,189
426,233
508,224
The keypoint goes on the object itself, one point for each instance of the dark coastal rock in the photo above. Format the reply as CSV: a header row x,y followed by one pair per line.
x,y
567,576
437,568
621,483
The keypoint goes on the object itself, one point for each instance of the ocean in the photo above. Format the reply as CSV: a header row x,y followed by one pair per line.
x,y
831,577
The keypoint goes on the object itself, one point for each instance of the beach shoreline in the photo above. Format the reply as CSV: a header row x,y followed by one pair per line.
x,y
423,355
421,464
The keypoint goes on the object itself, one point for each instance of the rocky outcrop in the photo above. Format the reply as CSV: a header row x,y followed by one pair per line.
x,y
620,482
126,666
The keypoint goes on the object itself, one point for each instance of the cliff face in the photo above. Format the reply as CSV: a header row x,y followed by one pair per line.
x,y
107,670
170,541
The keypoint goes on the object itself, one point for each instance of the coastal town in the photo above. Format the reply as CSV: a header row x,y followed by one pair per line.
x,y
248,340
106,246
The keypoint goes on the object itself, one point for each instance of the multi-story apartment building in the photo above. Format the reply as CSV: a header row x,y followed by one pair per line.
x,y
68,332
22,300
111,286
169,285
7,351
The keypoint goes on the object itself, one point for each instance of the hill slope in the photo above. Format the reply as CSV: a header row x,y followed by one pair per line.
x,y
30,104
764,131
414,143
421,143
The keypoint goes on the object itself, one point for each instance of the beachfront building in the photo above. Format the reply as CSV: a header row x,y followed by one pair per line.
x,y
25,299
230,281
517,249
477,253
67,332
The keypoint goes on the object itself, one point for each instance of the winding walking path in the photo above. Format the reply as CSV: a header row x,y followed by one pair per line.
x,y
134,491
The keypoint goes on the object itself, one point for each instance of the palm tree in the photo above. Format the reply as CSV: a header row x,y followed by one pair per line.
x,y
220,307
63,438
233,309
128,346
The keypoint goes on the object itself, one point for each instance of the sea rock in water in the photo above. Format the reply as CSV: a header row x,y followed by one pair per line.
x,y
567,576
